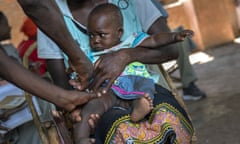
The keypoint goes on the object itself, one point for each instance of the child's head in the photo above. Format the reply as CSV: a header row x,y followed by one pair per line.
x,y
105,26
5,29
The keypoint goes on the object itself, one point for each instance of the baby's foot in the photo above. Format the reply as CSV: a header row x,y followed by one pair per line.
x,y
141,107
86,141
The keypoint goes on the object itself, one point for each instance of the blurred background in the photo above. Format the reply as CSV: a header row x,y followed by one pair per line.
x,y
216,24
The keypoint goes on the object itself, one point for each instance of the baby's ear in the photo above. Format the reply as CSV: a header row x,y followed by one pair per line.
x,y
120,32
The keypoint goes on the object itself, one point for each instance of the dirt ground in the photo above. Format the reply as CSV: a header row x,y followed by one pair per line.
x,y
216,117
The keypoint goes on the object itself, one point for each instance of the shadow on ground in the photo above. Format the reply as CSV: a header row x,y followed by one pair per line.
x,y
216,117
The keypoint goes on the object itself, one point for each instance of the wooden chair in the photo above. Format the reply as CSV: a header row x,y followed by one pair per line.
x,y
47,131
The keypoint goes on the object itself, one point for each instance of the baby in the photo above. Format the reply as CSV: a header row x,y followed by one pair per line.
x,y
135,84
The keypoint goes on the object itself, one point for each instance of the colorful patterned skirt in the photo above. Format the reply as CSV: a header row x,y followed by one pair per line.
x,y
167,123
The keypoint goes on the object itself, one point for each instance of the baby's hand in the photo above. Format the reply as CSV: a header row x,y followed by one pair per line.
x,y
183,34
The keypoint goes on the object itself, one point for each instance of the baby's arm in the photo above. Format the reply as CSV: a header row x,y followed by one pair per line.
x,y
165,38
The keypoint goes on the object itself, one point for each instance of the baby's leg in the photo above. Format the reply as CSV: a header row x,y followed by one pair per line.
x,y
141,107
81,130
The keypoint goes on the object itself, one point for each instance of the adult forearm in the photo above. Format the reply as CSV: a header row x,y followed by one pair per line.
x,y
162,54
159,40
47,16
149,56
164,38
15,73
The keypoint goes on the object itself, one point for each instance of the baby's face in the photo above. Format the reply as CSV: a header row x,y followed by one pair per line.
x,y
103,34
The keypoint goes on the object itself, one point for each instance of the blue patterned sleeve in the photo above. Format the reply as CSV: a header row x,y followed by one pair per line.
x,y
139,37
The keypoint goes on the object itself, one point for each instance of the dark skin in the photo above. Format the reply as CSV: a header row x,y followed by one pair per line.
x,y
108,66
37,86
32,83
23,78
102,70
104,67
34,9
105,30
98,106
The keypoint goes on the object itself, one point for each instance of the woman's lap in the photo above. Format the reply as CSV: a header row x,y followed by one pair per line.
x,y
167,121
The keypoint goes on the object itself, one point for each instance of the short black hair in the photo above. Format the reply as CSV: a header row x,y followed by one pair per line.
x,y
109,9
